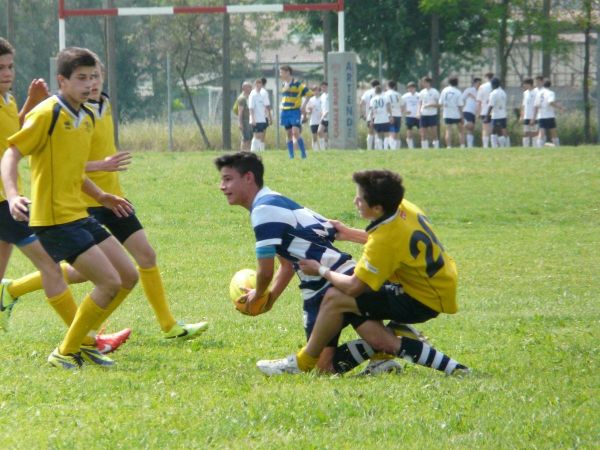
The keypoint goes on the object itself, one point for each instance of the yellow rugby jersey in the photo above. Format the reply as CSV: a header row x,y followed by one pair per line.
x,y
9,125
57,160
404,249
103,145
291,97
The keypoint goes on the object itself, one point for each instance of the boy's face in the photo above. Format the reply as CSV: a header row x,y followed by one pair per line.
x,y
78,88
284,75
7,72
237,187
324,88
97,84
365,211
258,86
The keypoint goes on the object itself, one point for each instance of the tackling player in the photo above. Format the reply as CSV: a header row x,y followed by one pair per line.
x,y
404,274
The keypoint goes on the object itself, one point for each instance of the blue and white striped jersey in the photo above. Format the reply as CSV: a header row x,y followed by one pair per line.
x,y
285,228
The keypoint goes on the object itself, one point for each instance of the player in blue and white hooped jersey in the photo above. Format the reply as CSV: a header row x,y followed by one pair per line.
x,y
397,106
381,116
452,108
469,97
411,102
497,113
285,231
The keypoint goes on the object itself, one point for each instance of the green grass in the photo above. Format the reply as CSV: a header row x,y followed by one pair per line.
x,y
523,226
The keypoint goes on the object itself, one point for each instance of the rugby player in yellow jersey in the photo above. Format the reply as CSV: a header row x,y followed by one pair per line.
x,y
404,275
57,137
293,109
102,169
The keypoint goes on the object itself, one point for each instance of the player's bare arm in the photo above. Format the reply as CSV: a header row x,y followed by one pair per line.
x,y
345,233
118,205
18,204
113,163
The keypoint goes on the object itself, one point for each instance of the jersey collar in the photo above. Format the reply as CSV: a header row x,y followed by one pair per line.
x,y
382,220
264,191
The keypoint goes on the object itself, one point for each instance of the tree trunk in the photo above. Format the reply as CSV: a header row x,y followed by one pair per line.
x,y
546,46
226,98
435,50
194,112
587,106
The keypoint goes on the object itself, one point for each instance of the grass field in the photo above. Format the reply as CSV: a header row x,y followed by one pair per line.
x,y
523,226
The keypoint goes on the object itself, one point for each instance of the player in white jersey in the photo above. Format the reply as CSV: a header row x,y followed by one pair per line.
x,y
497,112
381,116
411,105
539,85
258,116
429,98
365,106
452,109
546,104
483,94
313,109
527,113
469,97
324,125
392,141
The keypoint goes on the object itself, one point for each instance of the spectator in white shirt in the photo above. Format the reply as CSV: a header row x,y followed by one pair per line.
x,y
428,113
483,94
527,113
313,109
324,125
452,109
381,116
546,104
411,103
469,97
365,112
497,113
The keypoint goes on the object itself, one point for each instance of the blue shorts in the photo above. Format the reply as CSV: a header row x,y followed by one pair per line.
x,y
290,118
428,121
499,123
381,127
120,227
392,303
314,128
411,122
547,124
395,126
325,124
14,231
469,117
259,127
486,119
451,121
69,240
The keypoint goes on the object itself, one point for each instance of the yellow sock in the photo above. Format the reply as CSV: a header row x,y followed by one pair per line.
x,y
31,283
114,304
87,315
305,361
65,306
155,293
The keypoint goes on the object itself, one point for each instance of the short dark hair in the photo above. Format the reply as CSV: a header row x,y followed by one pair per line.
x,y
547,83
411,84
381,187
476,80
375,83
324,83
5,47
378,89
287,68
495,83
242,163
71,58
528,81
392,84
489,75
453,81
263,81
540,77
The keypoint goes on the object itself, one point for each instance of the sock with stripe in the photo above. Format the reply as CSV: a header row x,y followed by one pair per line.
x,y
351,354
87,315
423,354
155,293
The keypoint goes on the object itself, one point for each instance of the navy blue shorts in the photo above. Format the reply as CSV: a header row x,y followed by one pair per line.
x,y
395,125
290,118
390,302
13,231
381,127
547,124
325,124
69,240
486,119
259,127
314,128
499,123
411,122
469,117
428,121
120,227
451,121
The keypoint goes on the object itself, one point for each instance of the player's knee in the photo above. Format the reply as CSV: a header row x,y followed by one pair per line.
x,y
146,257
110,285
129,278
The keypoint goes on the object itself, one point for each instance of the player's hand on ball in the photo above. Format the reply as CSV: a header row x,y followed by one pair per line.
x,y
251,305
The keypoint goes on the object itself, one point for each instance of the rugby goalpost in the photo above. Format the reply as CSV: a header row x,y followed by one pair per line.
x,y
341,65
